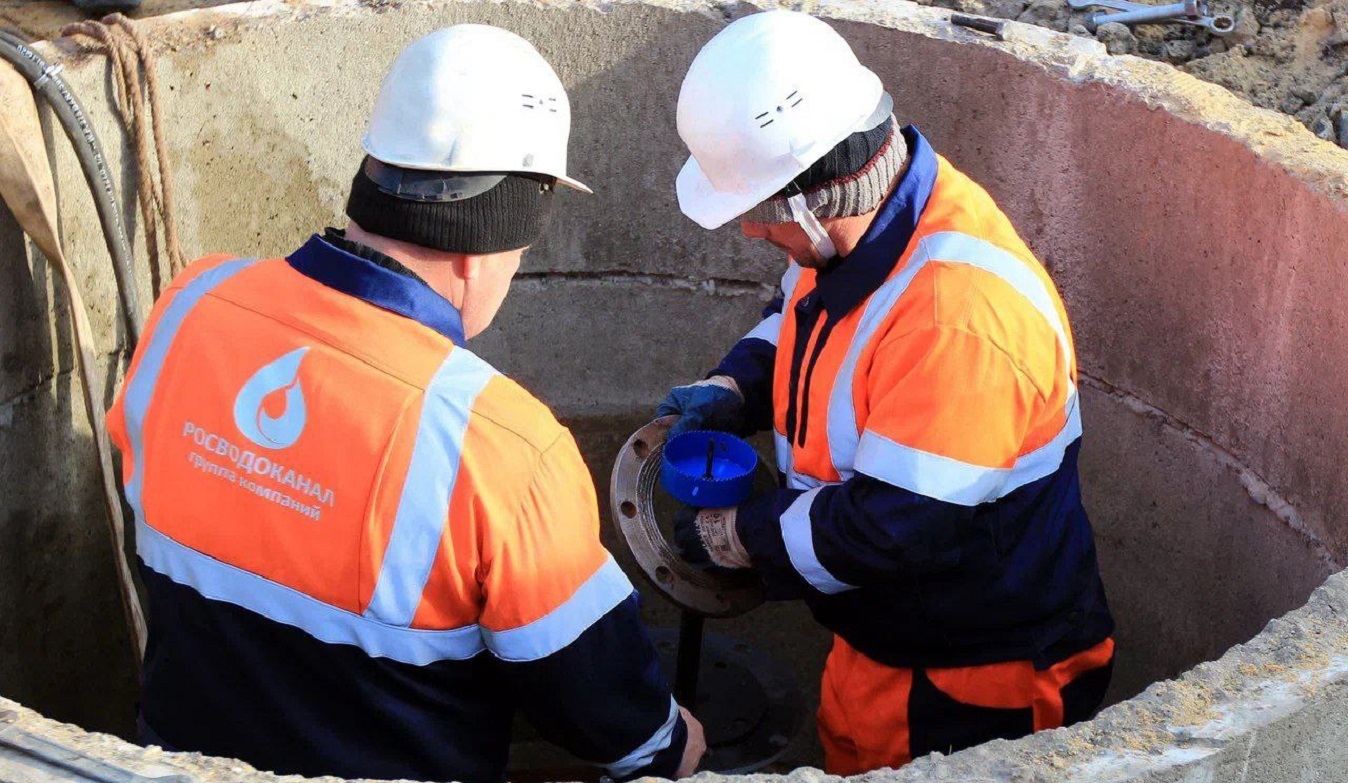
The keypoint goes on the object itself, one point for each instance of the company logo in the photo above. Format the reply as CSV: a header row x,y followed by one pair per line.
x,y
276,386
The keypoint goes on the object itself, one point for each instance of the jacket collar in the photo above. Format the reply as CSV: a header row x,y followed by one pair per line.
x,y
857,275
401,293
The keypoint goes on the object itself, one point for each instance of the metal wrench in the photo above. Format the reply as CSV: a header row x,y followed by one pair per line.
x,y
1190,12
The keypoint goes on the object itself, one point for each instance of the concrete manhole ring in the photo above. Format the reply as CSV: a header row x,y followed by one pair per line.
x,y
1207,332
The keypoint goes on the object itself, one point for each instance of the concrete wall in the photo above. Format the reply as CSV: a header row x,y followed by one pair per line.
x,y
1196,241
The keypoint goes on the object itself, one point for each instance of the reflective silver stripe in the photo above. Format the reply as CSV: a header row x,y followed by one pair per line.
x,y
768,329
947,247
793,479
842,415
783,448
221,581
796,480
645,753
1048,457
788,284
953,481
423,509
141,386
605,589
927,474
798,535
954,247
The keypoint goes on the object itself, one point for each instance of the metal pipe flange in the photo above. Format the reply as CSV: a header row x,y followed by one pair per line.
x,y
636,477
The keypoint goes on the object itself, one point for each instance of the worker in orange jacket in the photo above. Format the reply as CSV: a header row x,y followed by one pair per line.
x,y
918,373
364,549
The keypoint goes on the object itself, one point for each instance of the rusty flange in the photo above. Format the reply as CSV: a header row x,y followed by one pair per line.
x,y
636,477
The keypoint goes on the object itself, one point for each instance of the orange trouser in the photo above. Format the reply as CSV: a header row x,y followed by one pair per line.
x,y
873,716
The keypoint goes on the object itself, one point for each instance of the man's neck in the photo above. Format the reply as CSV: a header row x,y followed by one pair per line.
x,y
847,232
401,252
434,267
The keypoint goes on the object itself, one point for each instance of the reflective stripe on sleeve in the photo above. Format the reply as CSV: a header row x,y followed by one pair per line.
x,y
798,536
953,481
770,328
645,753
594,599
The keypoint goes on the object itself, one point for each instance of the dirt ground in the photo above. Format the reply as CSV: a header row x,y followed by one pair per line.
x,y
1286,55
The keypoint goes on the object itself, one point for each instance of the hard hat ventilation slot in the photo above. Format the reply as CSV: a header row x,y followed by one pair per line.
x,y
781,107
531,102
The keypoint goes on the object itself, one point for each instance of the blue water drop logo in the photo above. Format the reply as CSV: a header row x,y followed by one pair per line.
x,y
273,432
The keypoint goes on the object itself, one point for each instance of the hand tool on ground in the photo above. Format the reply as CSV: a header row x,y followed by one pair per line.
x,y
1190,12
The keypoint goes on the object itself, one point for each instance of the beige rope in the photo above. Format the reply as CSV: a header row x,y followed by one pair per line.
x,y
136,81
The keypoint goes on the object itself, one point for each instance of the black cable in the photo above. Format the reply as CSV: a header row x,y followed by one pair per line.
x,y
48,83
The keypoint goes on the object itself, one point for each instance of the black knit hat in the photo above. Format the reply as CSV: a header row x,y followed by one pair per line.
x,y
472,214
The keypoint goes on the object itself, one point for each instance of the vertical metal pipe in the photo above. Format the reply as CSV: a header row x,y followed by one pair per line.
x,y
689,660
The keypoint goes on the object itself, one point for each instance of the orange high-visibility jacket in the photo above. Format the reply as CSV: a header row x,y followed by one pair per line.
x,y
364,547
923,395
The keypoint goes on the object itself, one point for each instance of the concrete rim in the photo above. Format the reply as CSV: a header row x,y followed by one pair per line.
x,y
1207,720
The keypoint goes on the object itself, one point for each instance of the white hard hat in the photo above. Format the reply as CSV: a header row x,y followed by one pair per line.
x,y
472,98
765,99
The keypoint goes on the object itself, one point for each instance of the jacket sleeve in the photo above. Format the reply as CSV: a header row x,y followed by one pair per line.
x,y
750,362
563,619
948,420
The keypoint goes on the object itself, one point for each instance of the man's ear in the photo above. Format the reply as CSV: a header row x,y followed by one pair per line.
x,y
468,267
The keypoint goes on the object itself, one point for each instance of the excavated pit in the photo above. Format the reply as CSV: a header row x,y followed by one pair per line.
x,y
1198,243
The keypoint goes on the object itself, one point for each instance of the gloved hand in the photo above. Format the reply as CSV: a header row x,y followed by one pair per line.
x,y
707,538
713,404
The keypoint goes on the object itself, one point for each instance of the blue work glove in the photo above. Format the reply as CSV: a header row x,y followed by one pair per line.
x,y
706,538
713,404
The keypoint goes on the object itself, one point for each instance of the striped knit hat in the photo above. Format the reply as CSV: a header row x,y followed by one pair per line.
x,y
852,179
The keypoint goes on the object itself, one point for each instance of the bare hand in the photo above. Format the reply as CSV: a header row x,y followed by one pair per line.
x,y
696,747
